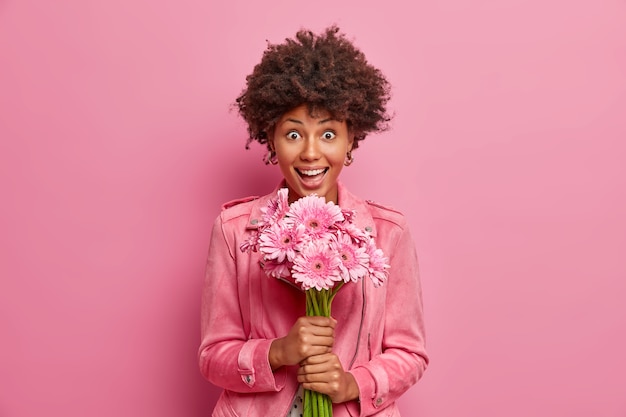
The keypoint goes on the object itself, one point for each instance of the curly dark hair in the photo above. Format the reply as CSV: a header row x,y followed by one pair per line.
x,y
324,71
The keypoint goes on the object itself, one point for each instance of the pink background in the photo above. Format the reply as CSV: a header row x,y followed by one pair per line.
x,y
506,154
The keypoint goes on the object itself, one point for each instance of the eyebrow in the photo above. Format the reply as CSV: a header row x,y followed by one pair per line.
x,y
300,122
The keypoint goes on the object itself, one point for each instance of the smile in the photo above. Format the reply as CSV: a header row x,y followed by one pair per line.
x,y
311,172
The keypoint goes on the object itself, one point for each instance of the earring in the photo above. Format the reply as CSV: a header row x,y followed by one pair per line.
x,y
270,158
349,159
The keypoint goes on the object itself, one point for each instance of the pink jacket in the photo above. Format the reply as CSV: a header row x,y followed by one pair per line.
x,y
379,334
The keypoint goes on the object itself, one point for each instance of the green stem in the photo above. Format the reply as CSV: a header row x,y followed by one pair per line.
x,y
316,307
306,404
309,304
320,404
314,404
327,303
334,292
325,409
318,303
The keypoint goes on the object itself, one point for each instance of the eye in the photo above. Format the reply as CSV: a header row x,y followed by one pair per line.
x,y
329,135
293,135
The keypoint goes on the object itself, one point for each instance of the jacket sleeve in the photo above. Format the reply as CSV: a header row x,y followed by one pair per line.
x,y
227,356
403,359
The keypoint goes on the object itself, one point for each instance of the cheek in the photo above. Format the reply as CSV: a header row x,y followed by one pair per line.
x,y
285,165
339,155
282,164
284,156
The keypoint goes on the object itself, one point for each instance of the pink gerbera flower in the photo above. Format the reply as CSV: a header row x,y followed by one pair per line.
x,y
316,266
250,244
348,215
354,260
276,270
378,264
279,242
315,215
358,236
276,208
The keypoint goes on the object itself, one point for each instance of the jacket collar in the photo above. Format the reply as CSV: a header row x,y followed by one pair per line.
x,y
347,201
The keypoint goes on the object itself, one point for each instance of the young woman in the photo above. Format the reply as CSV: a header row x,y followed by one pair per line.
x,y
311,100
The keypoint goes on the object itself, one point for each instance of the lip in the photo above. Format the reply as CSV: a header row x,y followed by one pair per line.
x,y
313,168
314,181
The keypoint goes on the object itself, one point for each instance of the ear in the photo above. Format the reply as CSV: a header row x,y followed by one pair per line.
x,y
350,139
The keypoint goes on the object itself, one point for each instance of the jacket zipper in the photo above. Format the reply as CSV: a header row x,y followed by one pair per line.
x,y
358,338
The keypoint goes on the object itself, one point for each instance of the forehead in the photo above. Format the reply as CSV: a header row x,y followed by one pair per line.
x,y
305,113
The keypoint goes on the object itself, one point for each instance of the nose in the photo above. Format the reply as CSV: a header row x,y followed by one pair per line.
x,y
311,149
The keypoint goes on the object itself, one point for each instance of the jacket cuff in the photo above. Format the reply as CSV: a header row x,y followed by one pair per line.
x,y
254,367
372,395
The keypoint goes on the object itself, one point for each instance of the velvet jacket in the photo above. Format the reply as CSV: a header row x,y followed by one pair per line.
x,y
379,336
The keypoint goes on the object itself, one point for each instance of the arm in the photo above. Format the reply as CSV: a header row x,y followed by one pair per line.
x,y
402,359
227,357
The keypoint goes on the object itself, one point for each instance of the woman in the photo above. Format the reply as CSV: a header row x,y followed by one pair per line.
x,y
311,100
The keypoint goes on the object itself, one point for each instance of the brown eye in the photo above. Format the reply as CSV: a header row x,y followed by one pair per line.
x,y
328,135
293,135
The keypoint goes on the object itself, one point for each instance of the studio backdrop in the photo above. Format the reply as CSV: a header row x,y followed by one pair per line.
x,y
118,145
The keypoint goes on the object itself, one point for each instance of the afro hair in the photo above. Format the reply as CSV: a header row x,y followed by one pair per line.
x,y
324,71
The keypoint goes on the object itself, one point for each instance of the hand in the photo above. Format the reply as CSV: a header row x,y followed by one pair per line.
x,y
310,335
324,373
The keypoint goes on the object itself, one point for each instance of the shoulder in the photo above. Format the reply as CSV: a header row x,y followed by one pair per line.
x,y
386,213
237,208
380,213
238,201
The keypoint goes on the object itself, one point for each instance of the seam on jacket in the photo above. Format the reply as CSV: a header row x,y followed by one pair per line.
x,y
230,249
391,216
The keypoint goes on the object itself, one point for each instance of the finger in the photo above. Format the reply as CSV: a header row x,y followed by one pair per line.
x,y
314,331
303,329
318,368
322,377
322,321
309,350
321,358
321,387
326,341
310,341
322,331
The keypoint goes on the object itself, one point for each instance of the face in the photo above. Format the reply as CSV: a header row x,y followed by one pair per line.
x,y
311,151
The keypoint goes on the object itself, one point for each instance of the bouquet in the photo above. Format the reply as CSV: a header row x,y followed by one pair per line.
x,y
316,244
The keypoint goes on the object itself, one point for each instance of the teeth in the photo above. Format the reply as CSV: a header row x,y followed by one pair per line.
x,y
312,172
